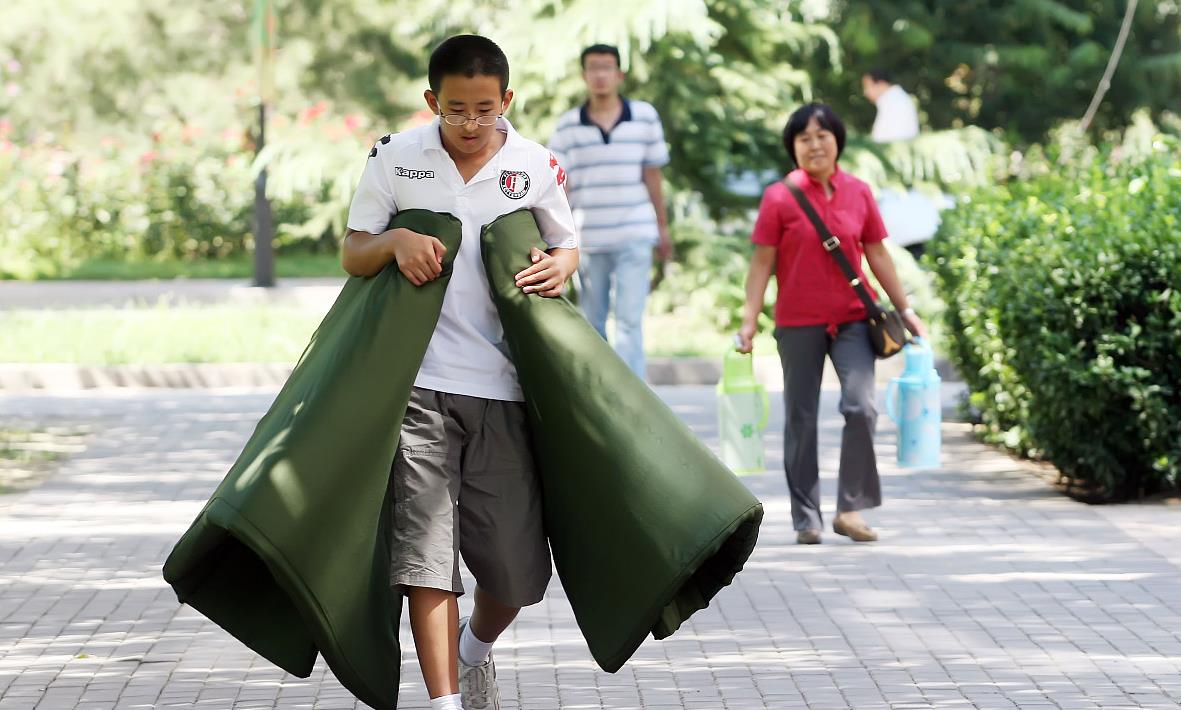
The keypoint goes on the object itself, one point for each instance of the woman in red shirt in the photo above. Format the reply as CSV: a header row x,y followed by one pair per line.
x,y
817,313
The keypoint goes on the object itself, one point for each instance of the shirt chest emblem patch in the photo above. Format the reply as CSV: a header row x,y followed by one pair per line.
x,y
514,183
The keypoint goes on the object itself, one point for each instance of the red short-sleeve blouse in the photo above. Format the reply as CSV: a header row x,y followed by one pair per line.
x,y
812,290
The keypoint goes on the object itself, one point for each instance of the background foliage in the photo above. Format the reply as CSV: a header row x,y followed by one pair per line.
x,y
723,73
1021,66
127,136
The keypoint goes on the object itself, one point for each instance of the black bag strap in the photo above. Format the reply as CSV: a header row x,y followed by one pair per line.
x,y
832,245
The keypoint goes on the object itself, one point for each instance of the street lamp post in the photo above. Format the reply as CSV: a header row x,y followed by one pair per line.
x,y
264,225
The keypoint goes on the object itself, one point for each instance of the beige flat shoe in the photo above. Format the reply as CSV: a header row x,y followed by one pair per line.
x,y
810,536
858,532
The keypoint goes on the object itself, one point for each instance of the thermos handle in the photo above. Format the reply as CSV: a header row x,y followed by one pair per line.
x,y
891,390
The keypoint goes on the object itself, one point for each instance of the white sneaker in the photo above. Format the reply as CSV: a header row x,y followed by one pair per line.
x,y
477,684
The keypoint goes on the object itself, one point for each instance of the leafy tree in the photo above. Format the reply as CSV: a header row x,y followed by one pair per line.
x,y
1019,66
69,67
724,74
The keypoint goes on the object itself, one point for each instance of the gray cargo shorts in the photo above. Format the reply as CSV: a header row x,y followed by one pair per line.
x,y
463,482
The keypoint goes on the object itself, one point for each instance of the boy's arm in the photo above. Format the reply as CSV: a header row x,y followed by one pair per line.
x,y
550,271
567,257
368,247
419,256
552,268
364,254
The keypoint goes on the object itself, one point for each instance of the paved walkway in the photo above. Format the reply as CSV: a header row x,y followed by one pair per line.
x,y
988,590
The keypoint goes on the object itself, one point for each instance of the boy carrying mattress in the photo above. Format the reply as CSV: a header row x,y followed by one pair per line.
x,y
463,479
448,404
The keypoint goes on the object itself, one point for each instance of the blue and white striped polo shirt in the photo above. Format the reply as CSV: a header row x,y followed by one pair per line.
x,y
604,172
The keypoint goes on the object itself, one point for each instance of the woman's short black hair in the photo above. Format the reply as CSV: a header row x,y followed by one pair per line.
x,y
600,49
467,55
825,116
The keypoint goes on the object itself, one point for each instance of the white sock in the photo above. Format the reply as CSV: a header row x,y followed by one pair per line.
x,y
472,650
447,702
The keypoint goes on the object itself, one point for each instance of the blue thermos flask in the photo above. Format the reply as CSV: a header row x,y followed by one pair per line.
x,y
913,401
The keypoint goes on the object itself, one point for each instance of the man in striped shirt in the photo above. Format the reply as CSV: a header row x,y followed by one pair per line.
x,y
612,149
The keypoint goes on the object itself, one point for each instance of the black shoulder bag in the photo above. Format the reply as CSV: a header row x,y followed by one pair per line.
x,y
887,332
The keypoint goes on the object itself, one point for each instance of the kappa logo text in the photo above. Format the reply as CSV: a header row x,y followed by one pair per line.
x,y
414,174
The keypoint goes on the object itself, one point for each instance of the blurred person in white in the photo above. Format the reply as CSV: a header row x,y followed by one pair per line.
x,y
897,117
911,217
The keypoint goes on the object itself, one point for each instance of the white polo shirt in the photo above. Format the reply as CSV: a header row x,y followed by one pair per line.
x,y
897,118
467,353
612,207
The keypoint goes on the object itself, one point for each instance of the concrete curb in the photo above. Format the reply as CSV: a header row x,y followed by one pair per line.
x,y
24,378
35,377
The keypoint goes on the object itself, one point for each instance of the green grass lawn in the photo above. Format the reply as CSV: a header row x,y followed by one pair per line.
x,y
238,333
116,336
239,267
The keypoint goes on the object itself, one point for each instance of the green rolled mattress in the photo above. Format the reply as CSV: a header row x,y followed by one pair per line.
x,y
645,524
291,554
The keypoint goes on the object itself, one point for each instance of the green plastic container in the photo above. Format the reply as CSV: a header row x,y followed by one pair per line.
x,y
743,410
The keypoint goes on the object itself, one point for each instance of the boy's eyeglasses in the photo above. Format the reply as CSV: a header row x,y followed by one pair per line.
x,y
458,119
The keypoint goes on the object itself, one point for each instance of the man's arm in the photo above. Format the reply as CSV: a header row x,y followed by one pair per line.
x,y
655,184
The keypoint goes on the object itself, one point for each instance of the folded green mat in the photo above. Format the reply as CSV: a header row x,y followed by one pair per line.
x,y
645,524
291,555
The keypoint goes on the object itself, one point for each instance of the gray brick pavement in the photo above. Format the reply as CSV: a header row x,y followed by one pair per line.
x,y
988,590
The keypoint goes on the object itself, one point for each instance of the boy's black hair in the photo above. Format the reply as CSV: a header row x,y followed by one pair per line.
x,y
600,49
879,74
467,55
825,116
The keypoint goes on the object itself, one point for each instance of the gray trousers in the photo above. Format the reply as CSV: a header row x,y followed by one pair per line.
x,y
802,350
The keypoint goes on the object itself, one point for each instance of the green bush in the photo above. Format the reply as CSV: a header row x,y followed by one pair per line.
x,y
1064,315
181,194
169,197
